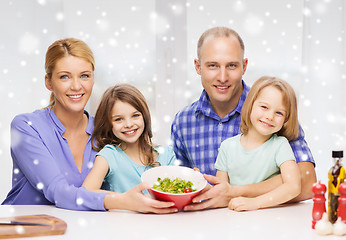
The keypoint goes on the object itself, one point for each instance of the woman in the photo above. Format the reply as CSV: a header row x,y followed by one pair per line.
x,y
51,148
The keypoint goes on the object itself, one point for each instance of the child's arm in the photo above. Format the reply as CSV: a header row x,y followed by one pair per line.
x,y
290,188
222,176
93,181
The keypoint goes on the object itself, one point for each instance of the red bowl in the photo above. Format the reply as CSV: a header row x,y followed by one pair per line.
x,y
180,199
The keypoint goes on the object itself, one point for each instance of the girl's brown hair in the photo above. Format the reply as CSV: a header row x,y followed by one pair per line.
x,y
103,133
290,129
63,48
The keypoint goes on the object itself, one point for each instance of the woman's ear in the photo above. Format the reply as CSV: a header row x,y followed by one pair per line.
x,y
48,82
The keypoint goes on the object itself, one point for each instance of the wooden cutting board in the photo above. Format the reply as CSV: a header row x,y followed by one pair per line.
x,y
55,226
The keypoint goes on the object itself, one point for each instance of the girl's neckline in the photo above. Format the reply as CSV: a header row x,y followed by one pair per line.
x,y
254,148
143,165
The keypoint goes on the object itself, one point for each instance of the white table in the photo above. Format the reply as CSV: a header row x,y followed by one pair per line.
x,y
291,221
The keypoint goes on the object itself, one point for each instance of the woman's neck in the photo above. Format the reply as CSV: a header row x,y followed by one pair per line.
x,y
71,120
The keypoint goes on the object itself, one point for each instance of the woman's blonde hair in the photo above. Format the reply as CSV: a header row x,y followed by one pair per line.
x,y
103,133
63,48
290,129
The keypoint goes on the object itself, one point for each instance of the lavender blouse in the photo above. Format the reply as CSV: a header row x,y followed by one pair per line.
x,y
44,170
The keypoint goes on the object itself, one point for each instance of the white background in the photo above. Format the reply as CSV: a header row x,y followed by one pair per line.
x,y
152,43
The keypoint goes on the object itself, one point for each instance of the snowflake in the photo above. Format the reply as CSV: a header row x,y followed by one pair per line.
x,y
253,25
103,24
82,222
20,229
42,2
306,12
160,150
44,102
28,43
331,118
60,16
39,186
79,201
178,162
90,165
167,118
307,103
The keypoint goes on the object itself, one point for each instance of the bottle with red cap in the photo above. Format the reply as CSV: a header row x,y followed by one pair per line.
x,y
336,176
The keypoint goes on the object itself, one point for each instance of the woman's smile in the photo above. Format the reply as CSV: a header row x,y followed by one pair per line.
x,y
75,96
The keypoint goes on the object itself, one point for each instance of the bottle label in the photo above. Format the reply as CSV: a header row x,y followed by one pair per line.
x,y
336,176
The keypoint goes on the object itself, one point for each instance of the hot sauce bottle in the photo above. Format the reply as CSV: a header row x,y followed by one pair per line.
x,y
336,176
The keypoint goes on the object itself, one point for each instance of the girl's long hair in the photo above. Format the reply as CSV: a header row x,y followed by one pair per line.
x,y
103,134
290,129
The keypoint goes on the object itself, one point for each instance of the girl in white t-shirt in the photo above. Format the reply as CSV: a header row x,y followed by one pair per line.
x,y
268,121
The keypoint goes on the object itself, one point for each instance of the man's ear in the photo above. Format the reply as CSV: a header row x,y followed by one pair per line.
x,y
245,62
197,66
48,83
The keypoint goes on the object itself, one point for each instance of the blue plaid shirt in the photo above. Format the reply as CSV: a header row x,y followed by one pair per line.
x,y
197,133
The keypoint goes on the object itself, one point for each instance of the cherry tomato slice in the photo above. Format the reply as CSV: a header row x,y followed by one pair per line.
x,y
187,190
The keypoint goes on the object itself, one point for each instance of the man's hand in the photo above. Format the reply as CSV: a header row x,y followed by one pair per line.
x,y
214,197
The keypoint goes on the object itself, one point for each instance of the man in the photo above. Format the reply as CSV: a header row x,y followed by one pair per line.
x,y
199,129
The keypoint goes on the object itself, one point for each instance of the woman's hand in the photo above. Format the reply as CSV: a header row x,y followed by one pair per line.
x,y
135,200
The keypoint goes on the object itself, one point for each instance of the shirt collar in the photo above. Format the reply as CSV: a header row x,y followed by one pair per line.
x,y
204,106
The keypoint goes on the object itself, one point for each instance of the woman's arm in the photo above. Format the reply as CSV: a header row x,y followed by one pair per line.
x,y
135,200
37,152
290,188
35,161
